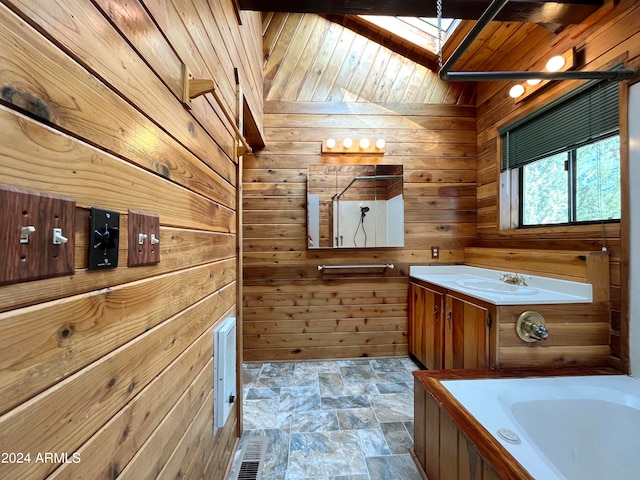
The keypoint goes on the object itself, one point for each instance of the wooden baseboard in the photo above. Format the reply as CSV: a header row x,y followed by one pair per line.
x,y
232,458
415,460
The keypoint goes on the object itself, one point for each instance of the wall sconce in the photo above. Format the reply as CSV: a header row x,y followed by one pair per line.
x,y
347,145
557,63
516,91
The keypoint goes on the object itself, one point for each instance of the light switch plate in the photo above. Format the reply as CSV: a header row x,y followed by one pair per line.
x,y
37,256
144,239
104,233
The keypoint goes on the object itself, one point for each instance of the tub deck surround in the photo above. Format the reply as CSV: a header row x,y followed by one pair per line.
x,y
475,446
485,284
566,427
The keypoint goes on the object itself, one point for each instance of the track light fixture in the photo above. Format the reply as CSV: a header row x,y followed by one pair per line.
x,y
557,63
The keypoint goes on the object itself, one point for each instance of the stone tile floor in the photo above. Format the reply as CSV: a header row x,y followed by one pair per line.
x,y
331,420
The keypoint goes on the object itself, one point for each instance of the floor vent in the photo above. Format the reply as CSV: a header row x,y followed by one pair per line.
x,y
253,453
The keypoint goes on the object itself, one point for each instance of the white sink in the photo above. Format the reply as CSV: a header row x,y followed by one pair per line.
x,y
496,286
485,284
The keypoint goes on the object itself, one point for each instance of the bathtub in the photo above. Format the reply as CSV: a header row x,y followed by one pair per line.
x,y
561,427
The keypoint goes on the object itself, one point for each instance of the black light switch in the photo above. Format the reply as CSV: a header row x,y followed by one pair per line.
x,y
103,238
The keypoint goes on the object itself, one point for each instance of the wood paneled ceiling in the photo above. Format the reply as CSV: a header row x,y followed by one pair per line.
x,y
553,16
309,59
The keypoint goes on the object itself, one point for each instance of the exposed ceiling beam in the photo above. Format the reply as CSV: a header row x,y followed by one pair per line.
x,y
557,12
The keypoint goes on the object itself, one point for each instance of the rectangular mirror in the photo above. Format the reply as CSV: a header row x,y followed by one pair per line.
x,y
355,206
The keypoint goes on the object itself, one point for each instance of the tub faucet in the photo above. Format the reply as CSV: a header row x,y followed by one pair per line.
x,y
539,332
513,279
531,327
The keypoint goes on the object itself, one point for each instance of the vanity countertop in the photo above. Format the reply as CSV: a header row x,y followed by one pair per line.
x,y
485,284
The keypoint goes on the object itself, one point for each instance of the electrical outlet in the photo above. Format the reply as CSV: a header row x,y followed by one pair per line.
x,y
435,252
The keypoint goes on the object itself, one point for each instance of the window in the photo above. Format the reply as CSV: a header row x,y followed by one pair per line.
x,y
578,186
419,31
563,161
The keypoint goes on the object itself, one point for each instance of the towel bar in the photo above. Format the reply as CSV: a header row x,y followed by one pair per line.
x,y
390,266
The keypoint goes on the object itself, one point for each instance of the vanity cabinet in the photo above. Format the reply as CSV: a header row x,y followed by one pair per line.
x,y
426,335
448,330
466,333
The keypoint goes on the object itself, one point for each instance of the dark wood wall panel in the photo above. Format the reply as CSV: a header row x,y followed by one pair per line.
x,y
609,35
322,80
116,365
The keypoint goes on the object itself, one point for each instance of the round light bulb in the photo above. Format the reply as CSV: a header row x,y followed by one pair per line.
x,y
364,143
347,142
380,143
516,91
555,63
331,143
534,81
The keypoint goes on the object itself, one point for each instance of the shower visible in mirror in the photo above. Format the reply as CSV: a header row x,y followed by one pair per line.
x,y
363,213
355,206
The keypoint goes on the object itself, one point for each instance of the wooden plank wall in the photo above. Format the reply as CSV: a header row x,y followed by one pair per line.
x,y
320,81
115,366
610,34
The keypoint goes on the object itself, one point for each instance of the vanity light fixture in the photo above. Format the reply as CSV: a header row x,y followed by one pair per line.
x,y
348,145
557,63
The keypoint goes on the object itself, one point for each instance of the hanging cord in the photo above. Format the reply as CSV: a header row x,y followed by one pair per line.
x,y
440,42
599,183
363,213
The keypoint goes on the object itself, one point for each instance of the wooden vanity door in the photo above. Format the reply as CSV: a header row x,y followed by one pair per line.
x,y
466,334
426,335
434,332
417,322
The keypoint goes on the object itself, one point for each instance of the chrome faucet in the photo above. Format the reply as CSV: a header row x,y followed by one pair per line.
x,y
513,279
531,330
539,332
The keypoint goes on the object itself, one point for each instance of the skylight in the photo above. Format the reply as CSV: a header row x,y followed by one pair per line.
x,y
420,31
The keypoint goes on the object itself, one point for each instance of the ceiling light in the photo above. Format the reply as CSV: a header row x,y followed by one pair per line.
x,y
347,142
364,143
331,143
555,63
380,143
534,81
516,91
